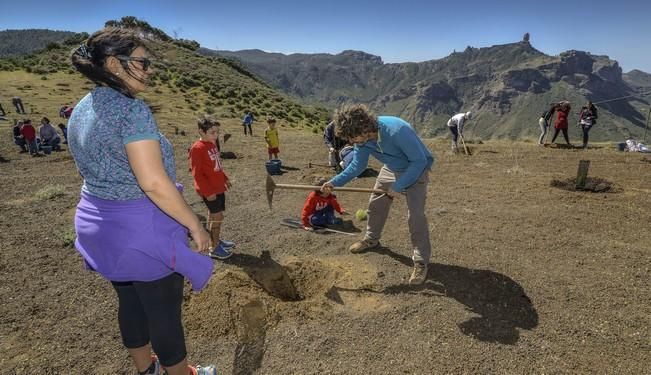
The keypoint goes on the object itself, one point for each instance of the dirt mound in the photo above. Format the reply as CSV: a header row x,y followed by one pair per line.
x,y
298,287
592,184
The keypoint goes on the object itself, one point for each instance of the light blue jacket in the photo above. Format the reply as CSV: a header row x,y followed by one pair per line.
x,y
398,147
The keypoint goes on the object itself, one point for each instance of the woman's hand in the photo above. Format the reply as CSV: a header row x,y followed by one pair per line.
x,y
201,238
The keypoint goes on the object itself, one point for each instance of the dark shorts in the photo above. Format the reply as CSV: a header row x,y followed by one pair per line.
x,y
273,150
216,206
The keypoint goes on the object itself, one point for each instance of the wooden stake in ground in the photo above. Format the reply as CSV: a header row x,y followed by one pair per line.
x,y
582,174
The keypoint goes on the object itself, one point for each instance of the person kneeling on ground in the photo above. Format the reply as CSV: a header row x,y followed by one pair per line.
x,y
19,140
49,135
319,209
407,163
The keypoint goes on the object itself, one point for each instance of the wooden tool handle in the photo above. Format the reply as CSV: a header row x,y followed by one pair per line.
x,y
308,187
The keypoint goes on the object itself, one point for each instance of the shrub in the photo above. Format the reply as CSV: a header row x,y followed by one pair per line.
x,y
50,192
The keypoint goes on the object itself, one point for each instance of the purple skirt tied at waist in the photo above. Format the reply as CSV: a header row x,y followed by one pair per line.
x,y
134,240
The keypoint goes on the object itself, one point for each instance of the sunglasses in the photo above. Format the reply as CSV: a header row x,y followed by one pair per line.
x,y
146,62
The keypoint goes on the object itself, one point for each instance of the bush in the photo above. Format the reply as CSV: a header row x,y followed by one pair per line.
x,y
50,192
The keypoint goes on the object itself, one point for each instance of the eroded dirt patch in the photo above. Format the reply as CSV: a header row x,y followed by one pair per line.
x,y
592,184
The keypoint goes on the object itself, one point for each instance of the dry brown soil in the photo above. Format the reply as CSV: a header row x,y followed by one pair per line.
x,y
527,275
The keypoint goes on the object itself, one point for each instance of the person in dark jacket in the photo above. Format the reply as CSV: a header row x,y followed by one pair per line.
x,y
587,119
543,122
19,140
334,144
18,103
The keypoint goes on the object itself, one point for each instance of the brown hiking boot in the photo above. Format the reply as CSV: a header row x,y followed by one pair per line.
x,y
419,274
363,245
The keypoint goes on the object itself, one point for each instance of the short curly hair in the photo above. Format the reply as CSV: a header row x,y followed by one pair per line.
x,y
205,122
352,120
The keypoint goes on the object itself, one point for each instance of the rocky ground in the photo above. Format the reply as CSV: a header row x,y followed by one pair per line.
x,y
527,274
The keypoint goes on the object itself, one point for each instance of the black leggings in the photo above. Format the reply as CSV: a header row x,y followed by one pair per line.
x,y
151,311
567,139
250,131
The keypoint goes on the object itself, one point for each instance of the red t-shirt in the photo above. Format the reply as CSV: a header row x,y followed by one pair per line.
x,y
316,202
28,131
207,170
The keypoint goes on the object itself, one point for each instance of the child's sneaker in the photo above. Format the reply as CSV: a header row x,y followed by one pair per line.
x,y
220,253
200,370
227,244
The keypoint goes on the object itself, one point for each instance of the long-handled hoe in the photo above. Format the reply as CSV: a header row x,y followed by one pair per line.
x,y
271,186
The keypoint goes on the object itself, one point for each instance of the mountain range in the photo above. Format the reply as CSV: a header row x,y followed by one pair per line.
x,y
506,86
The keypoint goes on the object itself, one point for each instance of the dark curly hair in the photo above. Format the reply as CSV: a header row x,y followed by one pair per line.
x,y
205,122
90,58
352,120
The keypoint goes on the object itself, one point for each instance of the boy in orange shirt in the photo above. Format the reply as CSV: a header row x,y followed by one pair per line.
x,y
319,209
211,182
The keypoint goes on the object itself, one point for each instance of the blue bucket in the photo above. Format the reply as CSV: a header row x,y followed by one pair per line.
x,y
273,167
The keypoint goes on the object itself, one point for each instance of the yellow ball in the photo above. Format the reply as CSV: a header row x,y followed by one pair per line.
x,y
360,214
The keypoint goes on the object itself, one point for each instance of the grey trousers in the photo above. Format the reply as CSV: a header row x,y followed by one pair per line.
x,y
378,211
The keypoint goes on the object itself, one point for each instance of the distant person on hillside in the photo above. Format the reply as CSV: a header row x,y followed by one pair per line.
x,y
455,124
132,222
18,103
319,208
405,172
587,119
563,111
49,135
272,138
334,144
19,140
247,122
543,122
29,134
211,183
65,111
64,130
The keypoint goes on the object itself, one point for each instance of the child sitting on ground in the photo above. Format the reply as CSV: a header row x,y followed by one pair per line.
x,y
211,183
271,137
319,209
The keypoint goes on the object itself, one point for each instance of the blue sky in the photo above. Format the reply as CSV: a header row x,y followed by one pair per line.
x,y
398,31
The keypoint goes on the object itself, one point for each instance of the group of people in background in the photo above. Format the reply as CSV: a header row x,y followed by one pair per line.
x,y
46,139
587,119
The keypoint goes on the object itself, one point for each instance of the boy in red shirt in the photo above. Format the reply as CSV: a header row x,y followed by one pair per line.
x,y
319,209
29,134
211,182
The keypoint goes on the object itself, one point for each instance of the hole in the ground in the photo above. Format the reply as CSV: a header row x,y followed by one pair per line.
x,y
592,184
296,281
